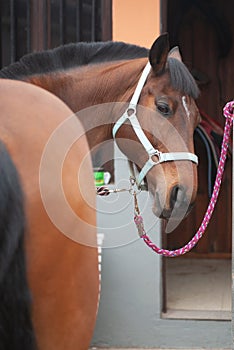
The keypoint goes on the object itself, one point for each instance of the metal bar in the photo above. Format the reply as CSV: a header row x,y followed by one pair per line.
x,y
41,25
1,36
78,19
62,21
28,26
48,24
44,23
33,24
106,20
12,31
93,21
37,25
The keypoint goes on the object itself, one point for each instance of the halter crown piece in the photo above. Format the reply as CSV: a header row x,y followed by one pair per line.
x,y
130,114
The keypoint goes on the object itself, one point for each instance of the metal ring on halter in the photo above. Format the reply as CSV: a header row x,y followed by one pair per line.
x,y
156,154
131,110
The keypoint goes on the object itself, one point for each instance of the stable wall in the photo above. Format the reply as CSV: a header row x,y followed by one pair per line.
x,y
136,21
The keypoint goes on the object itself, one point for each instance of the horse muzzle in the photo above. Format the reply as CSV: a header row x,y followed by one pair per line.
x,y
176,205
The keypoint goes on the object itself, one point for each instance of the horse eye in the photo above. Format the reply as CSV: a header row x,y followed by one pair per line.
x,y
163,108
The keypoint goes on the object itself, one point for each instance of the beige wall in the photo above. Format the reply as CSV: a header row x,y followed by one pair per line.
x,y
136,21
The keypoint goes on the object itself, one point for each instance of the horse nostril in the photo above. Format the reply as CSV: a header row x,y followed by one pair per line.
x,y
177,195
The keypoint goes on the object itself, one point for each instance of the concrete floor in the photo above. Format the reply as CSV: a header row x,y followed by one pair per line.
x,y
199,289
157,349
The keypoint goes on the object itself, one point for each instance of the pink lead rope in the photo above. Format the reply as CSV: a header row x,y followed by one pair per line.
x,y
228,112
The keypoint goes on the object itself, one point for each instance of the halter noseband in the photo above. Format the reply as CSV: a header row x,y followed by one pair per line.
x,y
130,114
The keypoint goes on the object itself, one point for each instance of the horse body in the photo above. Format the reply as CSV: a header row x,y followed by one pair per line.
x,y
62,274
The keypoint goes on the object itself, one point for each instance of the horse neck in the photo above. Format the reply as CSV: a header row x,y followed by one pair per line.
x,y
86,86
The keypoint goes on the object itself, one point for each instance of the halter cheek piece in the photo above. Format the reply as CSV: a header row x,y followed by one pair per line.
x,y
130,114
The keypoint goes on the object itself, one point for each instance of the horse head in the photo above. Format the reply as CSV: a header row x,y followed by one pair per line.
x,y
167,115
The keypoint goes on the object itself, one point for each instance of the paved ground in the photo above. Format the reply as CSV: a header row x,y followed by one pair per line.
x,y
94,348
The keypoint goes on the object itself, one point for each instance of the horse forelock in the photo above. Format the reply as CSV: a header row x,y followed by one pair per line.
x,y
181,79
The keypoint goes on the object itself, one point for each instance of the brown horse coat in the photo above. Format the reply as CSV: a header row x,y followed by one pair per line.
x,y
62,274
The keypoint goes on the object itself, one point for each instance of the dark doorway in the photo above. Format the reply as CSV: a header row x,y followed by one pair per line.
x,y
203,31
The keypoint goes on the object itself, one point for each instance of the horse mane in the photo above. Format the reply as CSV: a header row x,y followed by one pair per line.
x,y
71,55
79,54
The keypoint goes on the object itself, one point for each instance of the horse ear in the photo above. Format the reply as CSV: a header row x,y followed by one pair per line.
x,y
158,53
175,53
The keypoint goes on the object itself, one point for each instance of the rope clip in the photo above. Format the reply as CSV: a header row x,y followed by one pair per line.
x,y
134,188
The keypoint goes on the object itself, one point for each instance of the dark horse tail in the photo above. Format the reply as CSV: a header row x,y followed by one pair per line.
x,y
16,330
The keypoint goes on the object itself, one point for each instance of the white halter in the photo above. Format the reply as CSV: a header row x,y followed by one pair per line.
x,y
130,114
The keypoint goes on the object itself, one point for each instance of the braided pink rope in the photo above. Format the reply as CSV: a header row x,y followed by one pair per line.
x,y
228,112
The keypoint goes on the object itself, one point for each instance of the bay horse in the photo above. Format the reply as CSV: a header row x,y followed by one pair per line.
x,y
62,274
84,75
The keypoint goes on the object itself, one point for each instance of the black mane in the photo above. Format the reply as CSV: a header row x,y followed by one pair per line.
x,y
80,54
70,56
